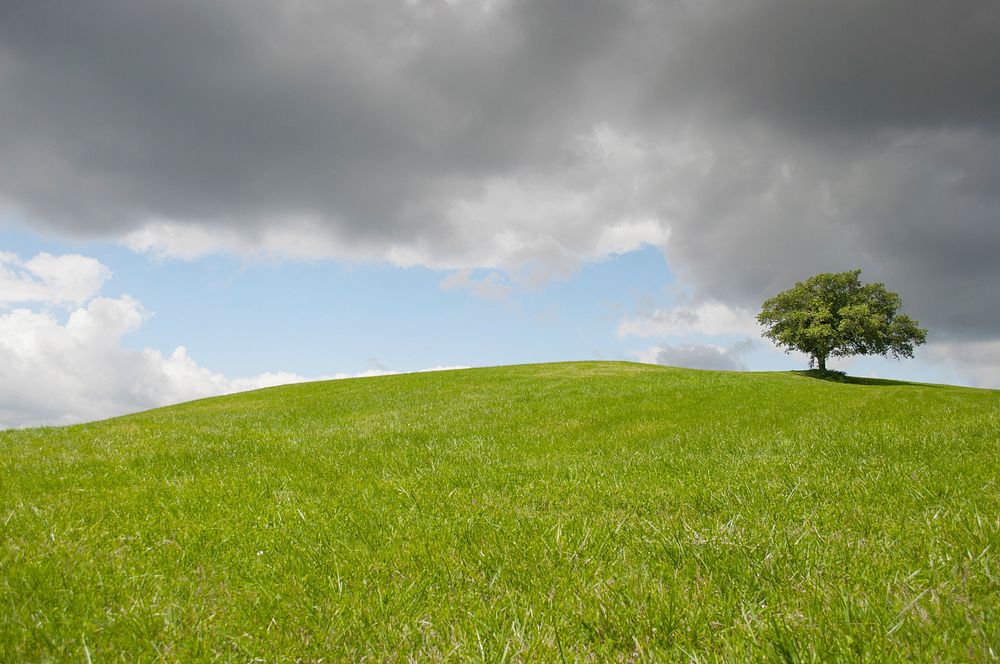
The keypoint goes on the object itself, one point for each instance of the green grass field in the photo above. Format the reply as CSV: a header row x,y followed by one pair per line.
x,y
581,511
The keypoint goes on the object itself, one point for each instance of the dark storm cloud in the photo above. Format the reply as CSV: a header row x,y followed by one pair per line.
x,y
241,111
846,66
909,210
846,134
774,138
200,110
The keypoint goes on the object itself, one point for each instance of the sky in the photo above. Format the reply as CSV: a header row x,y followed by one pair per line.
x,y
199,198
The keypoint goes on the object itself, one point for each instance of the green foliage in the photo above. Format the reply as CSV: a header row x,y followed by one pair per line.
x,y
577,512
834,315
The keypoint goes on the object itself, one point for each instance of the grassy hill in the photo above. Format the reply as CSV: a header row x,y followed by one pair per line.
x,y
531,513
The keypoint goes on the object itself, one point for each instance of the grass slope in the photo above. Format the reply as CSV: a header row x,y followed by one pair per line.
x,y
533,513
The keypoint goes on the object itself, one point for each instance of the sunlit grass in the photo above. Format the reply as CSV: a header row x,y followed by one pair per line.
x,y
535,513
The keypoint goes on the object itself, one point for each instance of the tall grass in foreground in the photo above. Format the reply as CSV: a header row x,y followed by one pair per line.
x,y
584,511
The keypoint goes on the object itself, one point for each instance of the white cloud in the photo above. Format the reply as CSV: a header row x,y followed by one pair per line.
x,y
65,279
708,318
57,372
61,373
164,239
298,237
976,363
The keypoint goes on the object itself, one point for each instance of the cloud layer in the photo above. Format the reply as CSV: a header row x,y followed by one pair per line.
x,y
755,143
419,133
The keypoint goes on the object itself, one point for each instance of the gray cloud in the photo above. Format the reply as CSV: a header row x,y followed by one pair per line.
x,y
977,364
910,210
841,67
772,138
695,356
371,118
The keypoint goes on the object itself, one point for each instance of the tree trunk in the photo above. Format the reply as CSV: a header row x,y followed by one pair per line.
x,y
821,362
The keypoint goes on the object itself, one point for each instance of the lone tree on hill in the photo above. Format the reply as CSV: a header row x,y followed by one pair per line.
x,y
834,315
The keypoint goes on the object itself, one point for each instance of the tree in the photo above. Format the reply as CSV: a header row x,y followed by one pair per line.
x,y
834,315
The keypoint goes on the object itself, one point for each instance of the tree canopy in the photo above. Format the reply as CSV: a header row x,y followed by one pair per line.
x,y
835,315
